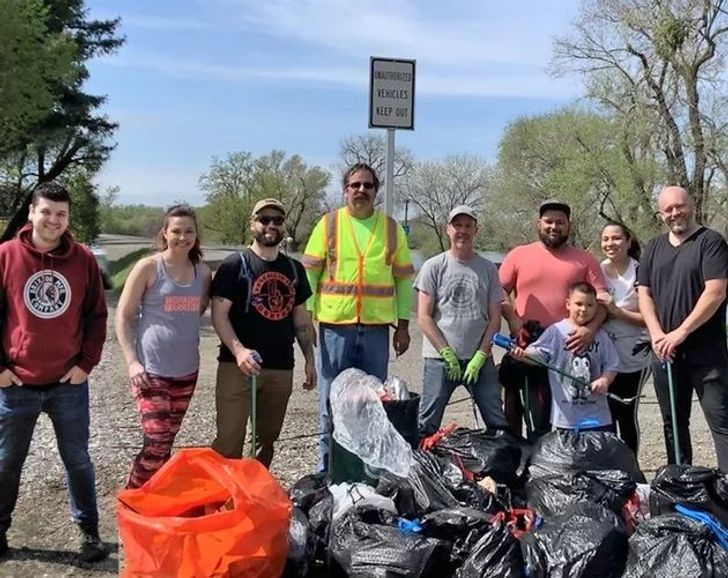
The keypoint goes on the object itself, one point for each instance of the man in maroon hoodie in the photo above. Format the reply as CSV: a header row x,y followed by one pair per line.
x,y
53,326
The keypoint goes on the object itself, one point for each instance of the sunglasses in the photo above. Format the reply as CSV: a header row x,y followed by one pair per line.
x,y
265,221
356,186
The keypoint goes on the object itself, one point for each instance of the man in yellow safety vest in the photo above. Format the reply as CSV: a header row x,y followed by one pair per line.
x,y
358,265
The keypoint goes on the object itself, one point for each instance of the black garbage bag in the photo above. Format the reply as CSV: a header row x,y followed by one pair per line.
x,y
586,541
319,522
559,452
492,453
461,526
308,490
366,543
673,546
300,546
695,486
471,495
422,491
496,554
551,495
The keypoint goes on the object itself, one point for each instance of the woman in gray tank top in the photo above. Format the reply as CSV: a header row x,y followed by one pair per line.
x,y
158,328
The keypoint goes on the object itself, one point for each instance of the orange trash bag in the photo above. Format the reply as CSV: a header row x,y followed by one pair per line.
x,y
204,515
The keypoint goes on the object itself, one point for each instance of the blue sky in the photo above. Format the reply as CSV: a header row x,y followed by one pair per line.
x,y
203,78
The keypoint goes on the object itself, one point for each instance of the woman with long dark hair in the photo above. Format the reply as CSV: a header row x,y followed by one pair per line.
x,y
158,328
625,327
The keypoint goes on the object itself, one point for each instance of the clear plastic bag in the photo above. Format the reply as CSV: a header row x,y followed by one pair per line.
x,y
396,388
361,425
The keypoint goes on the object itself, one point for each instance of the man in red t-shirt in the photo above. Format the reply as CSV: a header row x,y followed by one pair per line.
x,y
536,278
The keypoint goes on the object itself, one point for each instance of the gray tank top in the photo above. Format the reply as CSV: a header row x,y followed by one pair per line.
x,y
168,339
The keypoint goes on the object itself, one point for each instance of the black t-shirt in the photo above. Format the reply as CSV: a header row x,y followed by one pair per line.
x,y
676,277
267,326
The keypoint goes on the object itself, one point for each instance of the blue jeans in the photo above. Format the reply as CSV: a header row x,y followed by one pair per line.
x,y
67,407
437,389
341,347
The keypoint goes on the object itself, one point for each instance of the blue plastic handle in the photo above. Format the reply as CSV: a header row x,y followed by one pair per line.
x,y
502,341
721,534
409,526
586,424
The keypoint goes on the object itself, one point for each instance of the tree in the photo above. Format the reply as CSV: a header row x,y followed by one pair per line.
x,y
31,60
571,154
435,187
74,134
228,188
85,221
300,188
235,184
371,149
658,68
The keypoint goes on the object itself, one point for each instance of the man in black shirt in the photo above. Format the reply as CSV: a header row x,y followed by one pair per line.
x,y
682,297
258,308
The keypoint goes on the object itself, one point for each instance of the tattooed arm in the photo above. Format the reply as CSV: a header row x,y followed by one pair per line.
x,y
304,336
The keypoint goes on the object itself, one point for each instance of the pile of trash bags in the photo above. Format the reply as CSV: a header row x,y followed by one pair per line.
x,y
481,504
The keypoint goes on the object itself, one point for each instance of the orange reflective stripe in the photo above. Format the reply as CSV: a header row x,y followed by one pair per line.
x,y
403,270
333,288
312,262
391,247
332,224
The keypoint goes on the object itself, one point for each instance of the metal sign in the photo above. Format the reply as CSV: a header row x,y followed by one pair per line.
x,y
391,93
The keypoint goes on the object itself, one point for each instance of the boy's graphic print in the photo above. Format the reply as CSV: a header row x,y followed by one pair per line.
x,y
581,370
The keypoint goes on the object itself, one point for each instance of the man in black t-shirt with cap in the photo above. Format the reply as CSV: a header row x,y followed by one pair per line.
x,y
258,309
682,297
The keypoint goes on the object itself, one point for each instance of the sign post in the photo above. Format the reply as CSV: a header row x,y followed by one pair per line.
x,y
391,106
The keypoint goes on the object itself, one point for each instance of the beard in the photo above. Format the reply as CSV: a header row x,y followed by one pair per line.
x,y
552,243
267,240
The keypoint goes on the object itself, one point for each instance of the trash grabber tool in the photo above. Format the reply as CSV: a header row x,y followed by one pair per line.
x,y
253,415
506,343
673,411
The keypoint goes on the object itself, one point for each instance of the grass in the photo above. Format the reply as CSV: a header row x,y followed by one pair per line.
x,y
119,270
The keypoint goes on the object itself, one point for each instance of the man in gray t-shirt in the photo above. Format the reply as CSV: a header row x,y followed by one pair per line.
x,y
458,310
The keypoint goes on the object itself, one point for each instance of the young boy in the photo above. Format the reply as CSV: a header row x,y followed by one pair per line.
x,y
573,401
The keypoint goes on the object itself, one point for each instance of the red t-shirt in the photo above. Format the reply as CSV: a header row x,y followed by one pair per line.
x,y
541,278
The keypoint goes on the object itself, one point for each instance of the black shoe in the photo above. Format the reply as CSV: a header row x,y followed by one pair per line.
x,y
91,548
3,545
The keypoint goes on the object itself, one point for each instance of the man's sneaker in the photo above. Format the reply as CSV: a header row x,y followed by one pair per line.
x,y
3,545
91,547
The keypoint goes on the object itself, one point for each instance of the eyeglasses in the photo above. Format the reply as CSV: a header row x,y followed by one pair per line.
x,y
357,185
265,221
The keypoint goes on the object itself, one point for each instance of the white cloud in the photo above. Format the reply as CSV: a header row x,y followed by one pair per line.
x,y
466,51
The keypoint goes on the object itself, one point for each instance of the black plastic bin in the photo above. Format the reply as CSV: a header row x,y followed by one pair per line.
x,y
347,467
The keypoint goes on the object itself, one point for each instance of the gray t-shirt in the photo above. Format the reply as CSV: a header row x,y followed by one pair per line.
x,y
570,402
462,291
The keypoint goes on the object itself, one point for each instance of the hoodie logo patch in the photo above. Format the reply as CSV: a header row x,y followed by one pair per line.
x,y
47,294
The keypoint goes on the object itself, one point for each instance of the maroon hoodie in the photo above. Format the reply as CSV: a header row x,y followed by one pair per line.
x,y
53,309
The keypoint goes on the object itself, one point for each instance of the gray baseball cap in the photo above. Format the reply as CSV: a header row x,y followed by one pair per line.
x,y
554,205
462,210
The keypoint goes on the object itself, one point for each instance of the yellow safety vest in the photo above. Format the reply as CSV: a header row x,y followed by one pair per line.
x,y
356,285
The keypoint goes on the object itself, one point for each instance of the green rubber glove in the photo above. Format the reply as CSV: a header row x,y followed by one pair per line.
x,y
452,363
474,367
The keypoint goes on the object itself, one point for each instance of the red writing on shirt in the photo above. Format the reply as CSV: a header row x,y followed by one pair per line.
x,y
175,303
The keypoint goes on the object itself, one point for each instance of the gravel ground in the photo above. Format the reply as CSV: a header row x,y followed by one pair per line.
x,y
43,539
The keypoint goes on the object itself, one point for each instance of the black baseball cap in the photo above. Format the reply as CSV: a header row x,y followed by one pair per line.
x,y
554,205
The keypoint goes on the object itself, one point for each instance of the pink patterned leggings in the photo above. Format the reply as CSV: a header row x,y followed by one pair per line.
x,y
162,406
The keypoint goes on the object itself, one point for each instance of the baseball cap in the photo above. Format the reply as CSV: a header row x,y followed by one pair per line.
x,y
268,203
461,210
554,205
